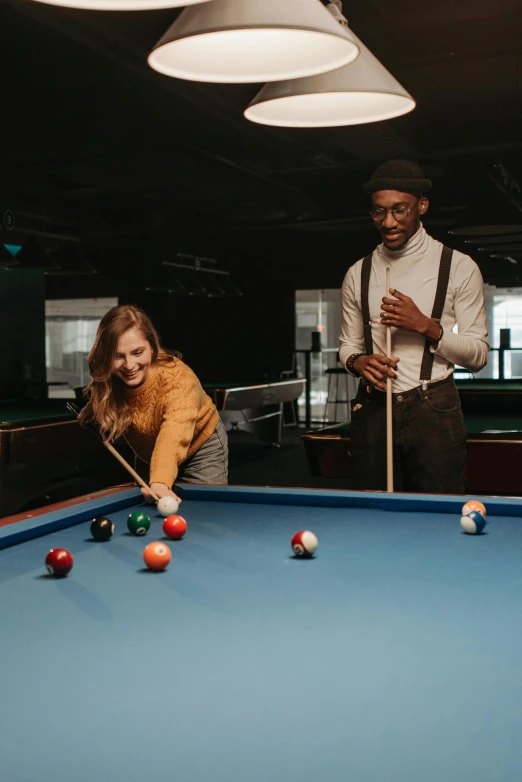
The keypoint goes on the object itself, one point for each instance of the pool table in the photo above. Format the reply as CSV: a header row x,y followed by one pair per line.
x,y
393,654
45,455
490,396
490,387
492,412
493,458
255,407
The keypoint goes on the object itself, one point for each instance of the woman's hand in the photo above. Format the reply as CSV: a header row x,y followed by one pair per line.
x,y
160,490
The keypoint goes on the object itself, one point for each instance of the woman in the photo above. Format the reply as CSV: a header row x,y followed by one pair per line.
x,y
147,394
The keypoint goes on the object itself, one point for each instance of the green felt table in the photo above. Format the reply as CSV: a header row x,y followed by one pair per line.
x,y
23,411
490,386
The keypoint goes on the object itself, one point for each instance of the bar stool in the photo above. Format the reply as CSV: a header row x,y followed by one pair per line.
x,y
289,408
342,380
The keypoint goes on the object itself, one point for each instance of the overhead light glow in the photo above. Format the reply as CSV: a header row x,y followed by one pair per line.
x,y
120,5
245,41
363,91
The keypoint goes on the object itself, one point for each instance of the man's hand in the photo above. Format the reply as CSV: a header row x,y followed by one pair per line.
x,y
376,368
403,313
160,490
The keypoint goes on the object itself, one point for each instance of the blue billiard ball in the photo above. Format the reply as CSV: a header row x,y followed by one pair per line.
x,y
473,523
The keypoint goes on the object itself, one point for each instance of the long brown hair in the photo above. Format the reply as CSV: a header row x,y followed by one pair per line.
x,y
107,404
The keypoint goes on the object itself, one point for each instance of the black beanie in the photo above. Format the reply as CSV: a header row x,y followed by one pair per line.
x,y
401,175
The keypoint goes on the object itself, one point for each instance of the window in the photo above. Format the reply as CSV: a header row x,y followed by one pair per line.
x,y
70,330
506,313
318,318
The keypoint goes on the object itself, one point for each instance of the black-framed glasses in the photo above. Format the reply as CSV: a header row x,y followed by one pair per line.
x,y
399,212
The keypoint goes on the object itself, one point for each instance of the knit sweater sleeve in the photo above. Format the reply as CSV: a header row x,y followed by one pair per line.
x,y
180,411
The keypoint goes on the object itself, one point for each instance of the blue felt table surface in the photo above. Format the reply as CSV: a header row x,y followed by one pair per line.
x,y
394,655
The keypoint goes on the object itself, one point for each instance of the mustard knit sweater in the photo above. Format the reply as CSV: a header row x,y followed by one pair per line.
x,y
172,418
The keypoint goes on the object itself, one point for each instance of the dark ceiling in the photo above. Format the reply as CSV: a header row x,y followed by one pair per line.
x,y
97,146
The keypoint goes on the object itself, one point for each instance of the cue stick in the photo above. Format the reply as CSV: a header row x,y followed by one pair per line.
x,y
115,453
389,419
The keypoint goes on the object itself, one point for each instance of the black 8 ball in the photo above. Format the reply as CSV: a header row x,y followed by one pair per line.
x,y
102,528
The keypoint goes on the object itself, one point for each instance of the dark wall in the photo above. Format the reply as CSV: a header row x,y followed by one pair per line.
x,y
247,338
22,325
240,339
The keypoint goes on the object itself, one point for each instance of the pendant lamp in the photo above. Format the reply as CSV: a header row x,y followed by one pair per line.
x,y
244,41
361,92
120,5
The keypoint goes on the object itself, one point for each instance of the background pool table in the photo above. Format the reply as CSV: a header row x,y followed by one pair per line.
x,y
489,388
493,458
393,655
257,408
493,418
45,455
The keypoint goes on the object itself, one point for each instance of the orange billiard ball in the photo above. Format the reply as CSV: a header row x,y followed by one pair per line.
x,y
472,505
174,527
157,556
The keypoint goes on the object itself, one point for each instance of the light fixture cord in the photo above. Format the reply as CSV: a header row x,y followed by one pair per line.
x,y
336,9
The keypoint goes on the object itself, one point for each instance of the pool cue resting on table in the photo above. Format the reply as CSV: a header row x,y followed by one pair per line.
x,y
389,400
139,480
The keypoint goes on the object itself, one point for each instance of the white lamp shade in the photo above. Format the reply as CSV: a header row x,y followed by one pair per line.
x,y
361,92
244,41
120,5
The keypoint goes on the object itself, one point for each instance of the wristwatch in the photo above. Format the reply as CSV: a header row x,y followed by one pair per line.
x,y
350,364
441,334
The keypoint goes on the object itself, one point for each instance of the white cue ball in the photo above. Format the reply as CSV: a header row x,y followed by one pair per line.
x,y
167,506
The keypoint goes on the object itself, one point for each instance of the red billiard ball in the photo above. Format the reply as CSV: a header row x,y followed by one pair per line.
x,y
157,556
174,527
59,562
304,544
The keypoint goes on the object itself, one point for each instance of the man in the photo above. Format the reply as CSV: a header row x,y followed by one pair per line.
x,y
428,431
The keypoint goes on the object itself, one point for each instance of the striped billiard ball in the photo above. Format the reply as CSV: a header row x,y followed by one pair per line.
x,y
472,505
304,544
473,523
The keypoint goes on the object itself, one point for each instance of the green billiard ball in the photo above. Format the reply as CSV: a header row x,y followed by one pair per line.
x,y
138,523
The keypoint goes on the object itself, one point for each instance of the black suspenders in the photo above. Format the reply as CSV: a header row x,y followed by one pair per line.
x,y
365,305
438,306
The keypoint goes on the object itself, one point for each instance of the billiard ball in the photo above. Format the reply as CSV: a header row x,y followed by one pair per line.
x,y
174,527
167,506
138,523
304,544
102,528
473,523
59,562
472,505
157,556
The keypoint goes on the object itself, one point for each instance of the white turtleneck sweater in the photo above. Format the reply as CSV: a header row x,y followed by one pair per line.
x,y
414,271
